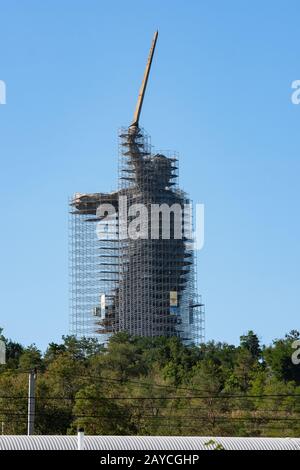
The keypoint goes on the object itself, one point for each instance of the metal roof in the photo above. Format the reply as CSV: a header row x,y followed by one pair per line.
x,y
146,443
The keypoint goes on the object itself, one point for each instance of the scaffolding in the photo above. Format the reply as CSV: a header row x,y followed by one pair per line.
x,y
93,265
127,273
143,285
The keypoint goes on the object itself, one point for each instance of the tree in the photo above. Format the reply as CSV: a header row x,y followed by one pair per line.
x,y
250,342
122,360
154,386
13,354
53,351
82,348
13,401
278,358
30,358
100,414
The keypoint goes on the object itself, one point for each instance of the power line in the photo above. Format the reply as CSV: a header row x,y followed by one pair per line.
x,y
217,397
199,408
125,381
190,418
145,384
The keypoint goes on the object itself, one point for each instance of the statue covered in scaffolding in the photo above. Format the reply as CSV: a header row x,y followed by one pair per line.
x,y
143,284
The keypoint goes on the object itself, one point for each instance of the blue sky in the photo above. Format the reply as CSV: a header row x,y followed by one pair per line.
x,y
219,94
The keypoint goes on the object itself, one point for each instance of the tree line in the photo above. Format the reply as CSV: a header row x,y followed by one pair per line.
x,y
154,386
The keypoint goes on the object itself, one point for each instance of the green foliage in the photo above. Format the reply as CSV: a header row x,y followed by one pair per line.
x,y
278,358
250,342
154,386
98,413
212,444
30,358
13,353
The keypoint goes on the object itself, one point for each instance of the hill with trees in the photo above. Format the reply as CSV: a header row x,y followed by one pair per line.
x,y
154,386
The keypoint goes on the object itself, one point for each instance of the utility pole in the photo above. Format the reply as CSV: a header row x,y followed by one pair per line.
x,y
31,401
2,352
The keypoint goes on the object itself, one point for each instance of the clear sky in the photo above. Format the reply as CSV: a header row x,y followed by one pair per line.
x,y
219,94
